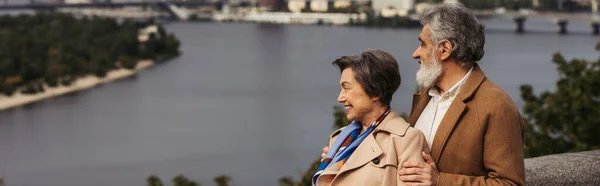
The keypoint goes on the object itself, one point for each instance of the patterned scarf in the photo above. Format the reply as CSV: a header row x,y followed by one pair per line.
x,y
345,144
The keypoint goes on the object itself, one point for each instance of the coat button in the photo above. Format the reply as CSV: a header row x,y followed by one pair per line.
x,y
376,161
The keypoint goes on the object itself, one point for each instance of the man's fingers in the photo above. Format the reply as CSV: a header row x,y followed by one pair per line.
x,y
417,172
409,178
410,171
428,159
413,178
416,180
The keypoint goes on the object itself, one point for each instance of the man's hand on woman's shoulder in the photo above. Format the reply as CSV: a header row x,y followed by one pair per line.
x,y
419,173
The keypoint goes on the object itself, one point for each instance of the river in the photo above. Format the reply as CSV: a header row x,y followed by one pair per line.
x,y
250,101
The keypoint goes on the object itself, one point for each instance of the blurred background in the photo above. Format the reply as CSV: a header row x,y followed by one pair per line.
x,y
243,92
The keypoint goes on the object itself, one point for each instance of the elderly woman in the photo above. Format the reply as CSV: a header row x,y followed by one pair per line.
x,y
371,149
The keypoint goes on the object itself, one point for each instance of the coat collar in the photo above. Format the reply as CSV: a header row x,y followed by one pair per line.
x,y
452,116
389,125
393,124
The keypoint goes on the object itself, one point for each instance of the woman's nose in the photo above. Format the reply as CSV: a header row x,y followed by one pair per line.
x,y
341,98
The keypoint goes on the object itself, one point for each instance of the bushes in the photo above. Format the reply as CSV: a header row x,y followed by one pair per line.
x,y
564,120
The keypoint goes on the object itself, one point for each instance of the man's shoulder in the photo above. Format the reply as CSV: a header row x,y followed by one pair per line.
x,y
489,87
493,96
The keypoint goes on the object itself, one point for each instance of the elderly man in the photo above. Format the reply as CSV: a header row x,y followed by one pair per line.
x,y
471,125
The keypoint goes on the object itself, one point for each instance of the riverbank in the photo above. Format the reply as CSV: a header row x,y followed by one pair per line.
x,y
19,99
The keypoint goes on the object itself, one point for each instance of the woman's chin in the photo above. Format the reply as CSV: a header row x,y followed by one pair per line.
x,y
350,117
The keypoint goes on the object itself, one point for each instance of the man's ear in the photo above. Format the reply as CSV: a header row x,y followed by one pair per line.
x,y
445,50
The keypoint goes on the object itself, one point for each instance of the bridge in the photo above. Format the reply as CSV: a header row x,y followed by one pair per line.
x,y
560,19
174,8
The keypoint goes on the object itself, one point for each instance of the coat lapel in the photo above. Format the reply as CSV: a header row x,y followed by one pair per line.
x,y
369,149
364,153
455,112
457,108
420,101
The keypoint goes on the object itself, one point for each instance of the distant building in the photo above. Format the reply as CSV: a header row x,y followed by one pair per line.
x,y
535,3
296,5
420,7
342,3
583,2
144,33
390,8
396,4
593,4
319,5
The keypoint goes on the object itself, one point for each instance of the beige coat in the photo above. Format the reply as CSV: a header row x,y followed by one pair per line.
x,y
378,158
480,139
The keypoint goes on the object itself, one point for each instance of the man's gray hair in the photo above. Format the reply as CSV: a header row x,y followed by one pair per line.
x,y
457,24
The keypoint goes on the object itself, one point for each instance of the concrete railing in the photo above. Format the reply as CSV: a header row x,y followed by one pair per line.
x,y
580,168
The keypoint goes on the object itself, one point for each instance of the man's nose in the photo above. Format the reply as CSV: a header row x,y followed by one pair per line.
x,y
415,54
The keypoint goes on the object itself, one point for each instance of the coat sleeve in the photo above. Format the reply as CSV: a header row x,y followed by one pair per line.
x,y
413,143
502,151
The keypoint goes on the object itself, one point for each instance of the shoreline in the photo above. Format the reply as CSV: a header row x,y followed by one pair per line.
x,y
19,99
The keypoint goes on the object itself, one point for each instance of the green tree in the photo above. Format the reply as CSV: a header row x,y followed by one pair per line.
x,y
286,181
128,62
564,120
57,48
222,180
154,180
172,45
181,180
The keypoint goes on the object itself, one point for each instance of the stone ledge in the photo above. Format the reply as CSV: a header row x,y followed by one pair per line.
x,y
580,168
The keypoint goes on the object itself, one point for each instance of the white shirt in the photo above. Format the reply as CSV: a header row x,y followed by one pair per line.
x,y
434,112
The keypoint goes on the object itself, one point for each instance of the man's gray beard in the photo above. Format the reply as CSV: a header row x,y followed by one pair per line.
x,y
428,75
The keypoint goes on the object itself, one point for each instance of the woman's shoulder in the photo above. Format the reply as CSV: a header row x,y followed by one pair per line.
x,y
409,138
